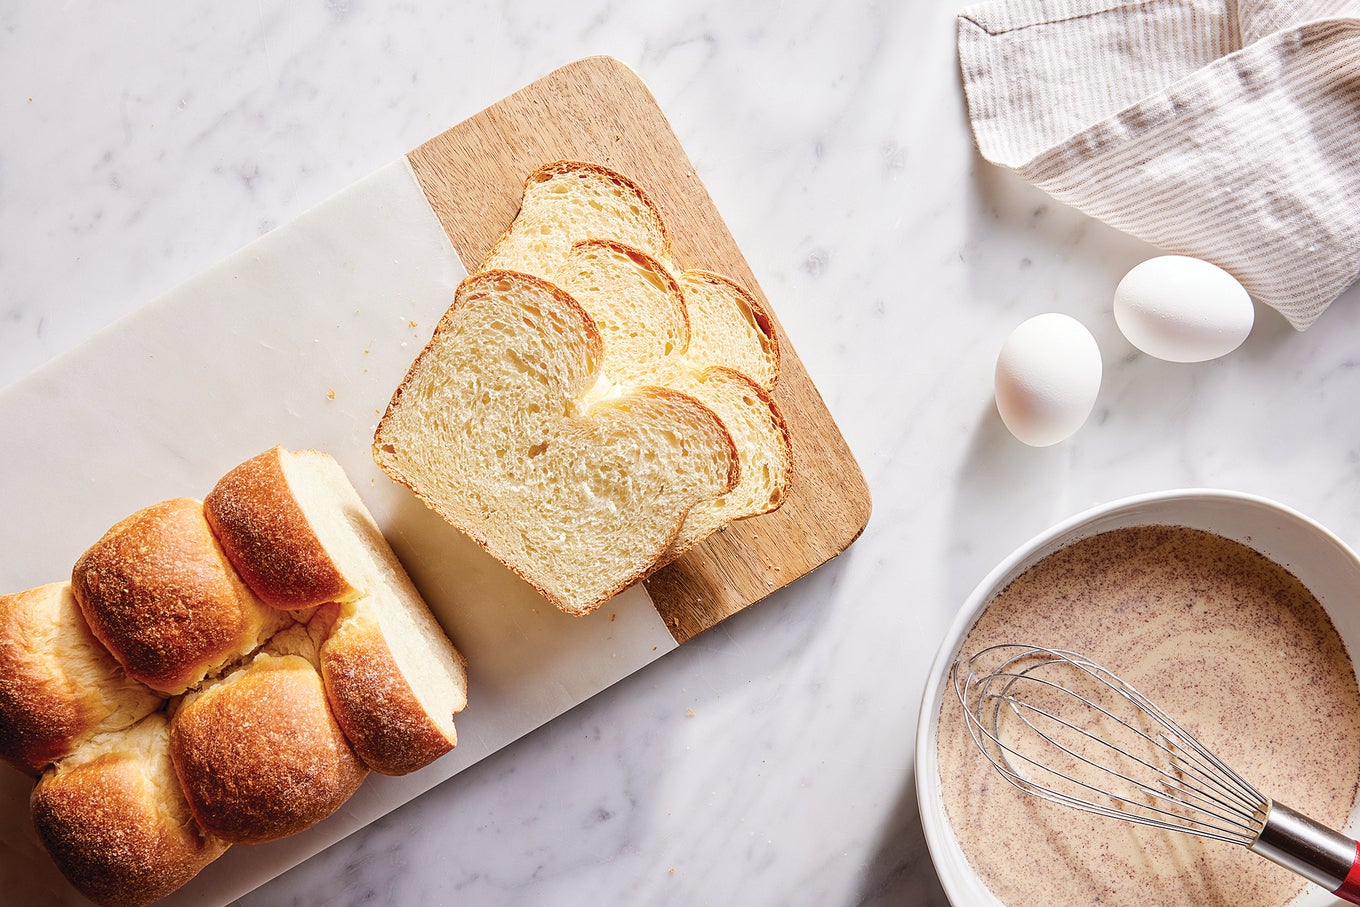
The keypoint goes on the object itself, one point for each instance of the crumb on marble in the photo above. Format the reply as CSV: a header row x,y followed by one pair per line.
x,y
689,713
411,323
330,394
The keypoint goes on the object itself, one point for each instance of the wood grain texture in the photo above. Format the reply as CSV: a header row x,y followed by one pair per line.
x,y
598,110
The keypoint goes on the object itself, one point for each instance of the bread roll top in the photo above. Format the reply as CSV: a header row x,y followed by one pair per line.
x,y
115,821
270,539
259,754
159,593
58,685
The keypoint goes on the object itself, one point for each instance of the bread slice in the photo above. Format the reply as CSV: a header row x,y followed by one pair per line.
x,y
637,306
568,201
489,428
763,445
258,752
728,328
393,678
650,337
158,592
58,685
115,821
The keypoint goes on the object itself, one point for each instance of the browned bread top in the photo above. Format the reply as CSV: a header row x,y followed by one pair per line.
x,y
360,673
160,595
259,754
115,821
269,538
58,685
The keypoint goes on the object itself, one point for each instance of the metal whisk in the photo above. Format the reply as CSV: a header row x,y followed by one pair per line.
x,y
1061,727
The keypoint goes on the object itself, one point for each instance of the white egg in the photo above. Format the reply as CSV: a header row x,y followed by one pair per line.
x,y
1047,379
1182,309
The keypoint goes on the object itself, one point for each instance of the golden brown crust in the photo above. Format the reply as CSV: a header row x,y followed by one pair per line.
x,y
114,830
260,756
268,538
759,315
58,685
373,703
158,592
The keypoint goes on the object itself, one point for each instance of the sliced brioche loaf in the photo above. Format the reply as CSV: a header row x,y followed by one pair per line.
x,y
160,595
488,428
393,678
258,752
58,685
567,201
115,821
650,338
660,327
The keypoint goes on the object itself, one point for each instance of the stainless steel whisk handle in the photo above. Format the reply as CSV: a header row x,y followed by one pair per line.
x,y
1314,851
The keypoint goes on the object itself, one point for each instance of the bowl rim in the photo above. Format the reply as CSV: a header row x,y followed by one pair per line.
x,y
961,883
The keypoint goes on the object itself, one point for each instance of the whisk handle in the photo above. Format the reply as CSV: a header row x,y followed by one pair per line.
x,y
1312,850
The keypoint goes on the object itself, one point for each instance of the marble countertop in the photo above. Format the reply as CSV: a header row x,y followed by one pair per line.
x,y
768,761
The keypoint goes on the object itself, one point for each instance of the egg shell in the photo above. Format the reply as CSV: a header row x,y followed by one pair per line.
x,y
1047,379
1183,309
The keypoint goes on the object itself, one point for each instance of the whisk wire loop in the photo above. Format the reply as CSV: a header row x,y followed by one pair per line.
x,y
1172,782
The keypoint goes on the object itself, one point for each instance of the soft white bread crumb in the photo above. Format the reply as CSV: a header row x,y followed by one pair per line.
x,y
58,685
489,429
762,443
660,327
728,328
568,201
115,821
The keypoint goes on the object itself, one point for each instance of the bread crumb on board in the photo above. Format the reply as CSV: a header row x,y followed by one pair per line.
x,y
330,394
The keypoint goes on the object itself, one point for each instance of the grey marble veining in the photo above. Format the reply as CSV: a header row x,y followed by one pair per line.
x,y
768,761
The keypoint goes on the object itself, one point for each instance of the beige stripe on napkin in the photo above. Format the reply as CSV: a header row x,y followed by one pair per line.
x,y
1225,131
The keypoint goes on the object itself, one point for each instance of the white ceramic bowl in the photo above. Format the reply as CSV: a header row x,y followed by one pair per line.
x,y
1320,560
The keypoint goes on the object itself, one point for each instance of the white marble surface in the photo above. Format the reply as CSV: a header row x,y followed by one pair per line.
x,y
768,761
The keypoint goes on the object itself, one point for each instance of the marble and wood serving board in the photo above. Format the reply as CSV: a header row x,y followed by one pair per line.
x,y
299,339
598,110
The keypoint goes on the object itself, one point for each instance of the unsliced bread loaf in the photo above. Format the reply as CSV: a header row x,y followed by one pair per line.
x,y
568,201
58,685
115,821
489,429
161,596
393,678
258,752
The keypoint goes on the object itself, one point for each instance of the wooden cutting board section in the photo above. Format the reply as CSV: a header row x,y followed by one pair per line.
x,y
598,110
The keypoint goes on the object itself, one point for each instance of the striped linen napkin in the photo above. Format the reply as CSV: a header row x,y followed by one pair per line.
x,y
1227,130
